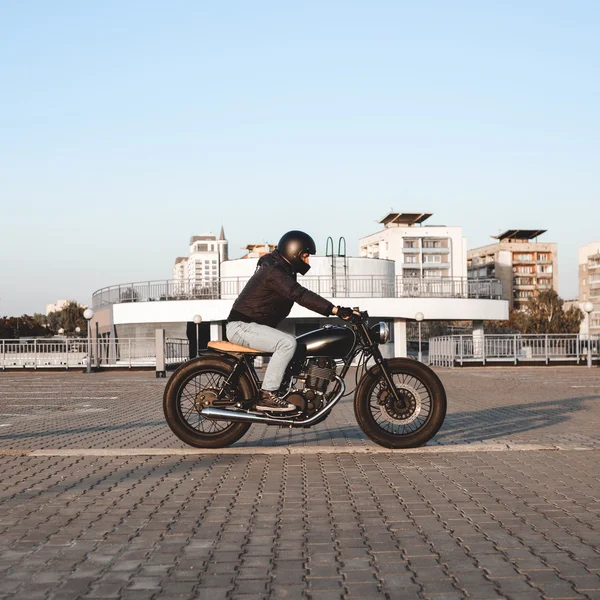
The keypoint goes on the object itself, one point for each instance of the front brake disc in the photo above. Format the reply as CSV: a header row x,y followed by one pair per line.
x,y
393,411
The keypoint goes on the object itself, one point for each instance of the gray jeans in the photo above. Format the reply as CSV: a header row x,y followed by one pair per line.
x,y
265,339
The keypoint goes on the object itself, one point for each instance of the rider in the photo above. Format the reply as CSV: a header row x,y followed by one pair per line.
x,y
266,300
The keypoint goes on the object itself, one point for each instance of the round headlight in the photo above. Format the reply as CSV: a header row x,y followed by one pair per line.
x,y
380,332
384,332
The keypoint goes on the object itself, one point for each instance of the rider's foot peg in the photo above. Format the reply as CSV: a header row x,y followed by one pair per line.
x,y
271,402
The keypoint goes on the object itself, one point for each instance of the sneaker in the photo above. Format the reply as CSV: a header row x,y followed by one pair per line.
x,y
269,401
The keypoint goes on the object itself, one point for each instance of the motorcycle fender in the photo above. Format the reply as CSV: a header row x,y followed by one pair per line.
x,y
225,357
395,365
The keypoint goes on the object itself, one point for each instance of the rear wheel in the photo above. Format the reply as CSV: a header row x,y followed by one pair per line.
x,y
407,424
195,386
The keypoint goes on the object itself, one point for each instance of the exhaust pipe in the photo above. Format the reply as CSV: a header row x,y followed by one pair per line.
x,y
218,414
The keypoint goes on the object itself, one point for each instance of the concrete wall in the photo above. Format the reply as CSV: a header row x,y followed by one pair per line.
x,y
320,266
147,330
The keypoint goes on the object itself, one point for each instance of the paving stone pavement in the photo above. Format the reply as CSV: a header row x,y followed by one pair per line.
x,y
99,500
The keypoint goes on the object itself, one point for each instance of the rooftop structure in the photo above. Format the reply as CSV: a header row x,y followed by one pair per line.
x,y
403,218
519,235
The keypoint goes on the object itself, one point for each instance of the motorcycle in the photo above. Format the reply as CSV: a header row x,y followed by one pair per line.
x,y
398,403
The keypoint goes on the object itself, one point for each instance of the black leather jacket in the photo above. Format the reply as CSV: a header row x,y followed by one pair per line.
x,y
270,293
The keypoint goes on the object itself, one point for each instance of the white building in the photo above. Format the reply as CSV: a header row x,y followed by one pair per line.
x,y
203,264
589,284
419,251
60,304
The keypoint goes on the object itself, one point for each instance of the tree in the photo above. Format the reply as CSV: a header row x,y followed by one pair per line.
x,y
545,314
68,318
24,326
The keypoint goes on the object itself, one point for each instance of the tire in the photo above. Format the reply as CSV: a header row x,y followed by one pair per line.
x,y
182,414
388,425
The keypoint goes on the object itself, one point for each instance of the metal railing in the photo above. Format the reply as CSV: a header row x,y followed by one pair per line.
x,y
360,286
177,351
128,352
450,350
43,353
70,353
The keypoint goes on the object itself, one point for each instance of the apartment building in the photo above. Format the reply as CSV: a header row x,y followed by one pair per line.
x,y
203,264
524,267
420,251
589,282
258,250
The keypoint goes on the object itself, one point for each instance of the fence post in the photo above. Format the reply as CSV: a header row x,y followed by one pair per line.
x,y
515,348
3,355
462,350
35,362
161,367
546,347
483,348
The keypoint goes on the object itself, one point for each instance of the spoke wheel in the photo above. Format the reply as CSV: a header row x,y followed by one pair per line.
x,y
194,387
410,421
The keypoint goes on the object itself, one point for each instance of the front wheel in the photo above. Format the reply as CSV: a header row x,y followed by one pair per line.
x,y
411,423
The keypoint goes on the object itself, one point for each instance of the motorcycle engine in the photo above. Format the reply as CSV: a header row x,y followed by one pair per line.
x,y
317,374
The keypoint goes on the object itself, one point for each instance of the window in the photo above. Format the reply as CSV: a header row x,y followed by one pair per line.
x,y
542,256
432,258
523,256
410,258
410,243
201,247
432,244
433,273
523,293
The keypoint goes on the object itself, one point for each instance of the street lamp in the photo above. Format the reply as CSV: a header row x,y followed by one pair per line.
x,y
77,331
419,317
88,313
589,307
197,320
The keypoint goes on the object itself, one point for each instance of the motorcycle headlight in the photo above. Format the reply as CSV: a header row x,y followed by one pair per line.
x,y
380,332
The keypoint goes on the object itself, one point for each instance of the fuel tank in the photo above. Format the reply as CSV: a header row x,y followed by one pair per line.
x,y
330,341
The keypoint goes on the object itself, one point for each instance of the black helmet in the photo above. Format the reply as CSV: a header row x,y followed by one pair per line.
x,y
293,245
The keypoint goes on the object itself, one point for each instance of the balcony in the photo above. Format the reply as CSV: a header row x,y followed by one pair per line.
x,y
435,250
525,286
360,286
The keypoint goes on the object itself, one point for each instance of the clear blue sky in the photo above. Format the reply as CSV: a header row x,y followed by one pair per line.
x,y
127,127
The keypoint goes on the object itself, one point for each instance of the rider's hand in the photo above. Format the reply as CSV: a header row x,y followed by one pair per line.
x,y
344,313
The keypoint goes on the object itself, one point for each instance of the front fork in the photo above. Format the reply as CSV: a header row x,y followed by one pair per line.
x,y
380,362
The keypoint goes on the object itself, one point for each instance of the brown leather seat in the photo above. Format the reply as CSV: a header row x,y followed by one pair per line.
x,y
230,347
